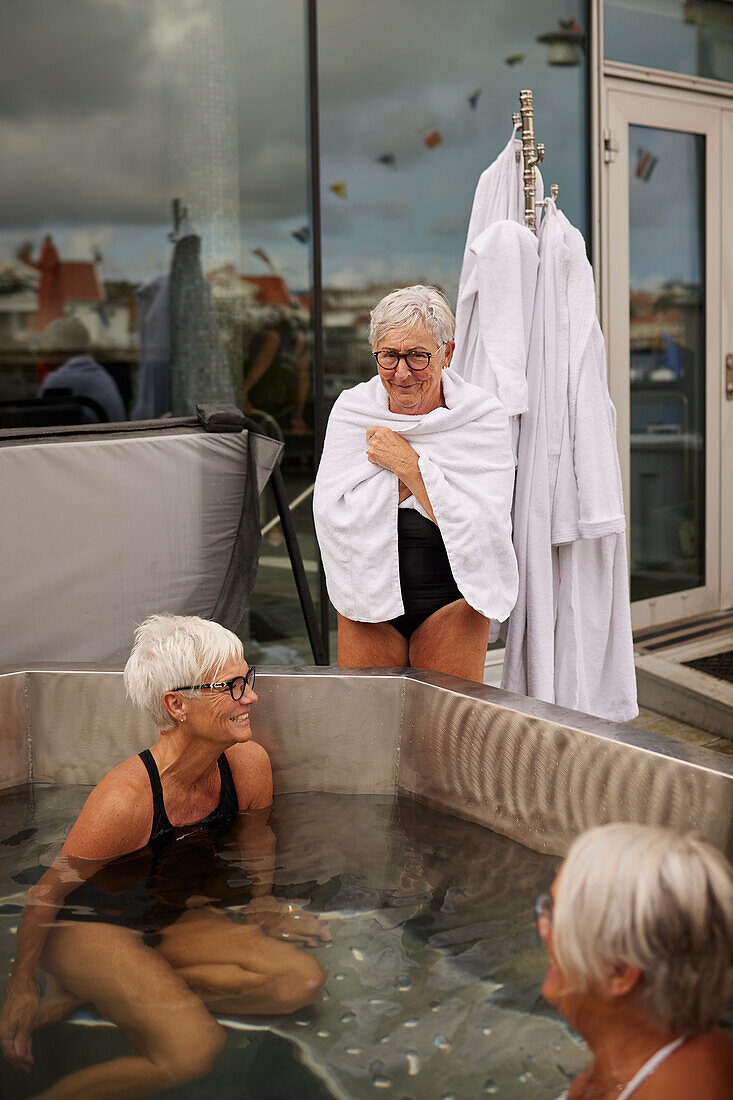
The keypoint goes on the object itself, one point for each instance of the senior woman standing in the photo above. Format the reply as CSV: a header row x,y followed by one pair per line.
x,y
135,935
412,501
639,930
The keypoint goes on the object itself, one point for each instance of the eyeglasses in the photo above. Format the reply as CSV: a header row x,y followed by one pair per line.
x,y
236,686
389,359
543,915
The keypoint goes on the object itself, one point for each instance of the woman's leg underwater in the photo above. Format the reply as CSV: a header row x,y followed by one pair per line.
x,y
453,639
177,1039
237,968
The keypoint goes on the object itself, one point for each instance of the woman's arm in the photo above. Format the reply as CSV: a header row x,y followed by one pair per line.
x,y
111,823
392,451
260,364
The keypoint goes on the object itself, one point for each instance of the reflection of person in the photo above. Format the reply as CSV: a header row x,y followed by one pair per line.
x,y
277,377
639,930
412,501
64,346
174,955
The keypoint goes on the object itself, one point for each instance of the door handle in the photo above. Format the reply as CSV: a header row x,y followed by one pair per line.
x,y
729,376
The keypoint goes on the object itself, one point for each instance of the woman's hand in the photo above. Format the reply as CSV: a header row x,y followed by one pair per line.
x,y
286,920
391,451
16,1023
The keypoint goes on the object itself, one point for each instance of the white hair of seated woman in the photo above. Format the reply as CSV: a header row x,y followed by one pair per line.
x,y
171,650
656,900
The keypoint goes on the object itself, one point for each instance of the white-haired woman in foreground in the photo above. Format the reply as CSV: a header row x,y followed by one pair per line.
x,y
639,930
135,936
412,501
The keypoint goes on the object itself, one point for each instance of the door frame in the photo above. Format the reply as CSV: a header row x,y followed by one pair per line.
x,y
626,103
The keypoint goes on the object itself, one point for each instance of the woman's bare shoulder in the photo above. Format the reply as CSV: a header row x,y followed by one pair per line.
x,y
252,774
117,815
702,1067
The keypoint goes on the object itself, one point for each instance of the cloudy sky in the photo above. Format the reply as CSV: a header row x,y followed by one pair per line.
x,y
109,108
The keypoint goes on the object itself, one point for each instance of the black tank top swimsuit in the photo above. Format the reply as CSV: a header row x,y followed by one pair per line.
x,y
426,579
148,889
220,819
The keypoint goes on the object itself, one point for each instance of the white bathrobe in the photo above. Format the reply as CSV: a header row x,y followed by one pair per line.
x,y
497,286
569,636
467,466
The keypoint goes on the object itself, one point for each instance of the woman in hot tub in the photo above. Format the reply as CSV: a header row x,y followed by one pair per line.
x,y
136,937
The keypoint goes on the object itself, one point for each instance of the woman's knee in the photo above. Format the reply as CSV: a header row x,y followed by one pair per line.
x,y
189,1058
298,986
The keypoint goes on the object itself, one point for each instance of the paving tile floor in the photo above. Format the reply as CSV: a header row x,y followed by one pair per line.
x,y
681,731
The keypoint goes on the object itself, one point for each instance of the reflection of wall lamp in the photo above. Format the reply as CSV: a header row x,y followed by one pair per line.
x,y
565,44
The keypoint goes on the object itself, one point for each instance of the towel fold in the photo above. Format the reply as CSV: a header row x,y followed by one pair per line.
x,y
467,466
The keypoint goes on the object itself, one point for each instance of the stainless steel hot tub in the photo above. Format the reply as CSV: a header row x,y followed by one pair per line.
x,y
528,770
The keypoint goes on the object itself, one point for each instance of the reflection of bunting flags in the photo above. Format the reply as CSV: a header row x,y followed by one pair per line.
x,y
388,159
646,162
339,188
262,255
474,98
514,59
303,234
432,138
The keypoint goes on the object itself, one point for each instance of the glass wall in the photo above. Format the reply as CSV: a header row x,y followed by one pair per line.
x,y
155,241
154,237
416,101
694,37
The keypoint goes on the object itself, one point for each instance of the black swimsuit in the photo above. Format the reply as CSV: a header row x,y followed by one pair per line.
x,y
220,819
426,579
148,889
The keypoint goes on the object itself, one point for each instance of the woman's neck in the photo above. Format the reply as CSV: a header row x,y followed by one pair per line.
x,y
621,1043
185,759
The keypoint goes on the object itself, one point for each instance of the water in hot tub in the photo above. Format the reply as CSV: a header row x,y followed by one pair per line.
x,y
433,972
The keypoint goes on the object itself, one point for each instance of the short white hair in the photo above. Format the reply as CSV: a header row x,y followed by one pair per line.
x,y
653,899
411,306
171,650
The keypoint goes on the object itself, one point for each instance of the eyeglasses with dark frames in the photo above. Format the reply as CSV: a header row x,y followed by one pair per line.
x,y
415,359
236,686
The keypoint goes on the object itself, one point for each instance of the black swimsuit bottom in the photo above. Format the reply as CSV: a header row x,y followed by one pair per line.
x,y
426,579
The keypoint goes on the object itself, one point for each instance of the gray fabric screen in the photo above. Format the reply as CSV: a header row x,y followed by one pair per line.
x,y
98,533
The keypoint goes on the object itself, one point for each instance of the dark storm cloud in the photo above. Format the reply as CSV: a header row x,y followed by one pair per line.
x,y
107,107
73,58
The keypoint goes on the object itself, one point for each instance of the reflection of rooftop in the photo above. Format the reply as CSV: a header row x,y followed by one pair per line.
x,y
79,282
271,290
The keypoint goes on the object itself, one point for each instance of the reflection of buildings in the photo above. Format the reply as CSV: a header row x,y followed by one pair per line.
x,y
35,292
665,327
348,357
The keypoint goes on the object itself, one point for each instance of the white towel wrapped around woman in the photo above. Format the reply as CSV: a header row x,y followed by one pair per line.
x,y
466,463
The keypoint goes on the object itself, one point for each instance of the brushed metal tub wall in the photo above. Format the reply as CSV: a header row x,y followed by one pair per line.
x,y
15,750
334,733
81,725
541,782
525,769
337,734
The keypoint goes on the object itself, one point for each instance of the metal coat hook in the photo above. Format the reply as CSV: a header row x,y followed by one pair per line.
x,y
533,154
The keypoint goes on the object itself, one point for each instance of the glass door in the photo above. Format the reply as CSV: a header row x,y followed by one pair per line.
x,y
664,325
